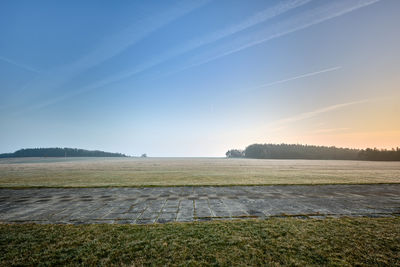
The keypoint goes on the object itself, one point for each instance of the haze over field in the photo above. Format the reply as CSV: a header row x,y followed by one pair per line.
x,y
197,78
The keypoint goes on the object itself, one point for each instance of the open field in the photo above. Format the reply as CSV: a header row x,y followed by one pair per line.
x,y
111,172
288,241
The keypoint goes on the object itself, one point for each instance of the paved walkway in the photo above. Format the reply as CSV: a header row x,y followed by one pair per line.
x,y
183,204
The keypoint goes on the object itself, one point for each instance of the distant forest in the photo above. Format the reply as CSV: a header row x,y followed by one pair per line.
x,y
294,151
59,152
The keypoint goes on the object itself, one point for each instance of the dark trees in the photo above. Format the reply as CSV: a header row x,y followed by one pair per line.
x,y
296,151
380,155
59,152
234,153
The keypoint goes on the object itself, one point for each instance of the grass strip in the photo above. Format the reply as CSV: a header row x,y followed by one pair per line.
x,y
277,241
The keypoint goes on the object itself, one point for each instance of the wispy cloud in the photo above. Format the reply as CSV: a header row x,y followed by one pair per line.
x,y
260,17
225,46
314,113
301,76
115,44
110,47
19,65
326,11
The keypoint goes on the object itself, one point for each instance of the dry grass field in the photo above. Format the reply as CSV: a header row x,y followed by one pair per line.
x,y
105,172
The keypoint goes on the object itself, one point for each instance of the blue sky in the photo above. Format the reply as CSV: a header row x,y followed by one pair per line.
x,y
196,78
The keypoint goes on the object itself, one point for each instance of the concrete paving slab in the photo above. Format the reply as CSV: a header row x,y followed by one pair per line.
x,y
184,204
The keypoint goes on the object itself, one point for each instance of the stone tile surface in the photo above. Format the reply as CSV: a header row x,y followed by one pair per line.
x,y
185,204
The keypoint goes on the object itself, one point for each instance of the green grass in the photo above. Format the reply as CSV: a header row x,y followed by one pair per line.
x,y
111,172
287,241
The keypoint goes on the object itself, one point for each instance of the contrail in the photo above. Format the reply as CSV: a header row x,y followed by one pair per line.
x,y
311,114
297,77
302,21
259,17
115,44
112,46
298,22
22,66
256,19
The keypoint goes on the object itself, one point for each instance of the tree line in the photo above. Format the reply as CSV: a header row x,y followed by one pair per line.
x,y
380,155
296,151
59,152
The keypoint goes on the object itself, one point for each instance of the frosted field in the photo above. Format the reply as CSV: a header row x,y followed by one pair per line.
x,y
109,172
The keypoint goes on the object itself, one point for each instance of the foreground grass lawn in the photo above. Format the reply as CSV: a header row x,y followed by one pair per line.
x,y
288,241
103,172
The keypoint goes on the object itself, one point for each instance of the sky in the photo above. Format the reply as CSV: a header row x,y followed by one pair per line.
x,y
196,78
